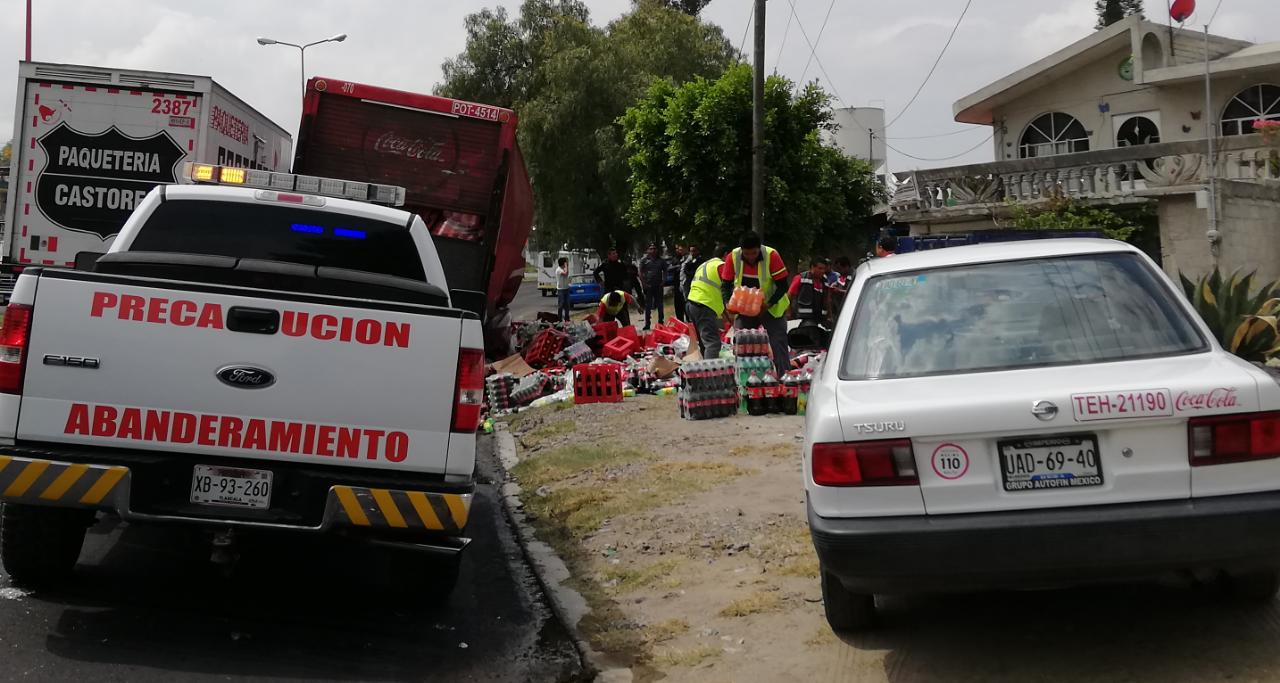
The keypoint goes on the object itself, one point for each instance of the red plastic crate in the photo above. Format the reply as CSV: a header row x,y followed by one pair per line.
x,y
606,331
597,383
680,327
664,337
619,348
544,347
629,332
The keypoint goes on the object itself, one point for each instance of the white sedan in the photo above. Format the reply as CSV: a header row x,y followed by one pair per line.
x,y
1034,414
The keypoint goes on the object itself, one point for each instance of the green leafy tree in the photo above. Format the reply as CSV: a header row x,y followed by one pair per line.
x,y
569,81
6,154
1064,213
689,150
1111,11
690,7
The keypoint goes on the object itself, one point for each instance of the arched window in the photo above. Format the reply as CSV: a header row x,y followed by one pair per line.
x,y
1137,130
1253,103
1054,133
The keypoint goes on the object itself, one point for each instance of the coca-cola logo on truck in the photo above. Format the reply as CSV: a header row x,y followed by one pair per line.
x,y
395,144
91,182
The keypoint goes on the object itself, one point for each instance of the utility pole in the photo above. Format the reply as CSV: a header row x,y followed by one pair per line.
x,y
757,127
1211,169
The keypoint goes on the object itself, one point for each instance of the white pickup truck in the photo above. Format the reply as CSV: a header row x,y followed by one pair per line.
x,y
253,354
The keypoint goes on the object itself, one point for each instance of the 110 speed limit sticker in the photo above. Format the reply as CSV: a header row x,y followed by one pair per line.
x,y
950,461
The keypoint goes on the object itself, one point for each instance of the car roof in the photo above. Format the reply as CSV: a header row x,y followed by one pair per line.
x,y
994,251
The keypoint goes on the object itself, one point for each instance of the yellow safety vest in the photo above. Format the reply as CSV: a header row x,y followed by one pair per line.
x,y
778,310
705,288
614,310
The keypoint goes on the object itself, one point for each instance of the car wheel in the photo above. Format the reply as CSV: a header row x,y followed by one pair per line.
x,y
40,545
846,611
1260,586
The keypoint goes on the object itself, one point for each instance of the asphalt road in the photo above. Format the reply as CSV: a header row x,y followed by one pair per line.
x,y
529,301
145,606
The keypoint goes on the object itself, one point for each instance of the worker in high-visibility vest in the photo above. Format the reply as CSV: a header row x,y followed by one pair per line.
x,y
754,265
616,305
705,307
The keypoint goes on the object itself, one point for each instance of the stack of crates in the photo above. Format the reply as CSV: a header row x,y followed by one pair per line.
x,y
578,354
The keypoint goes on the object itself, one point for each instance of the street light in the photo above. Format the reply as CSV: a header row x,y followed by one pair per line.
x,y
302,51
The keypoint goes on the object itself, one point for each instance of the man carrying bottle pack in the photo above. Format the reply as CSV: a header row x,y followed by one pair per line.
x,y
754,265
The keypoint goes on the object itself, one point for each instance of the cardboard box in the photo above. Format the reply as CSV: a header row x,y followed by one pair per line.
x,y
514,365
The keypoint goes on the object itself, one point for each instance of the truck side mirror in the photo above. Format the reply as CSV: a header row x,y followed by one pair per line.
x,y
87,260
470,300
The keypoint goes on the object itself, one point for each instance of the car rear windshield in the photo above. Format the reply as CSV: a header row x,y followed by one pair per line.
x,y
281,233
1015,314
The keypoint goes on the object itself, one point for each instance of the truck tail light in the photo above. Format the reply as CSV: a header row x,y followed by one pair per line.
x,y
13,347
865,463
1233,438
470,386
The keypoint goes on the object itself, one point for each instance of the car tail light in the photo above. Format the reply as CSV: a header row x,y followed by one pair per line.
x,y
865,463
470,386
1233,438
13,347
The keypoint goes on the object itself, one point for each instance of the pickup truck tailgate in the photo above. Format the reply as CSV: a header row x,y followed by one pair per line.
x,y
200,369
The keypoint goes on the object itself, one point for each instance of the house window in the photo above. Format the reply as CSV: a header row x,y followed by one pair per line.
x,y
1054,133
1252,103
1137,130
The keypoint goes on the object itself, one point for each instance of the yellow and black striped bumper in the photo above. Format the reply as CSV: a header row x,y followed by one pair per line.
x,y
387,508
106,487
62,484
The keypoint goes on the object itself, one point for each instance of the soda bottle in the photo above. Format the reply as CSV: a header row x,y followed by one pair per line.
x,y
755,395
771,403
790,388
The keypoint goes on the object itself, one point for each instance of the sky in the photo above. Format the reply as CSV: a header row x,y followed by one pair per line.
x,y
875,53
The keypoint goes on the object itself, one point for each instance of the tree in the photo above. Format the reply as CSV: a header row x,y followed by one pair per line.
x,y
6,155
1111,11
690,7
689,150
1065,213
569,82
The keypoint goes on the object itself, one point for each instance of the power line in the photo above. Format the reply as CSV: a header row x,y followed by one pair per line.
x,y
814,51
936,62
783,44
938,135
1215,13
953,156
750,16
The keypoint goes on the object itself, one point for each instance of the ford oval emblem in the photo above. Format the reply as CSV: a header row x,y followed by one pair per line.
x,y
246,377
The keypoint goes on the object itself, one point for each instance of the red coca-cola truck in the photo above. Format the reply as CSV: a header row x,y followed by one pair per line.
x,y
459,164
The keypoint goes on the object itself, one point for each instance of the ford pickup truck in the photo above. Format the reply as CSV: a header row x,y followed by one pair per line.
x,y
256,350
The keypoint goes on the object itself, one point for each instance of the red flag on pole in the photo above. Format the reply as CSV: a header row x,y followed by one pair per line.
x,y
1181,10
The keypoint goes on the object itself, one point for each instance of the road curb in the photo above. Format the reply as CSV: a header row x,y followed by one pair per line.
x,y
548,568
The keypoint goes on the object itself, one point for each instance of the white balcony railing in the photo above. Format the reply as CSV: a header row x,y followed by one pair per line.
x,y
1102,174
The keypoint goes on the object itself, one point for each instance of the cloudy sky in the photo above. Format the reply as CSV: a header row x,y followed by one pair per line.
x,y
875,53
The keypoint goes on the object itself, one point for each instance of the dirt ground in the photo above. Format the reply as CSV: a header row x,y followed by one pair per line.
x,y
689,541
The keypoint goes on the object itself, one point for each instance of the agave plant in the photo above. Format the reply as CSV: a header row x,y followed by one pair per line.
x,y
1243,320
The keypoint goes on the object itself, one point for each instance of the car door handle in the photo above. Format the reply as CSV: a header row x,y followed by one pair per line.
x,y
253,320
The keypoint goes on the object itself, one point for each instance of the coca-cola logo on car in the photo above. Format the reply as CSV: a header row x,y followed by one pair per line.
x,y
1222,397
424,149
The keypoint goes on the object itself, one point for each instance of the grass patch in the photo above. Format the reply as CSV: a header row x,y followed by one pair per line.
x,y
663,631
756,603
690,657
821,638
631,579
777,450
595,487
803,567
562,463
555,429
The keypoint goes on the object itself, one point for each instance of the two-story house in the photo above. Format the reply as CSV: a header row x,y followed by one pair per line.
x,y
1117,118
